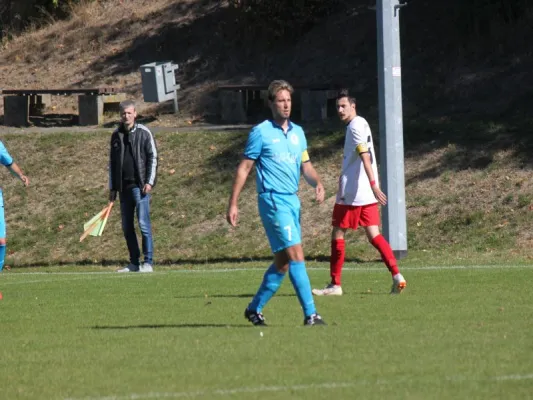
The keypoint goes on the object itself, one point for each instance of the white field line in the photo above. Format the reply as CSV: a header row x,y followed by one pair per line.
x,y
291,388
217,270
69,276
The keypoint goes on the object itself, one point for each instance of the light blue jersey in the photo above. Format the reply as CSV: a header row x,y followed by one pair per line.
x,y
7,160
2,217
5,157
278,156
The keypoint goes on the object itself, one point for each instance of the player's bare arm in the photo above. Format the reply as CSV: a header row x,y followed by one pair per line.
x,y
243,170
15,170
312,178
367,163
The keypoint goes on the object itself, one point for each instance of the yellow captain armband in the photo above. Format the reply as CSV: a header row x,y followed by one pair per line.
x,y
361,148
305,156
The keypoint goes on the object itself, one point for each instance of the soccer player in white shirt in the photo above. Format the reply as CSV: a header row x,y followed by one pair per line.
x,y
357,199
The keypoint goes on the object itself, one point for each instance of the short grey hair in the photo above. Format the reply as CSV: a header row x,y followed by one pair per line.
x,y
127,104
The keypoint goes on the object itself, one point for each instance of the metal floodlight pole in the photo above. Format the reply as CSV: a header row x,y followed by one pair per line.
x,y
391,124
176,108
176,88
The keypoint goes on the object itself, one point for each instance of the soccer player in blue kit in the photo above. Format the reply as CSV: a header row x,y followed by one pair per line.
x,y
278,149
7,161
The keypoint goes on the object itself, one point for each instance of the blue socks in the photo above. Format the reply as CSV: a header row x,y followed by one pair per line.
x,y
272,281
302,286
270,285
2,255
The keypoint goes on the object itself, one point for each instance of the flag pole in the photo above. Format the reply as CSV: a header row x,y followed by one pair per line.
x,y
93,225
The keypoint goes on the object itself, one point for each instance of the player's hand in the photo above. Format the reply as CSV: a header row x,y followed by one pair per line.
x,y
232,214
320,193
25,180
380,196
112,195
147,188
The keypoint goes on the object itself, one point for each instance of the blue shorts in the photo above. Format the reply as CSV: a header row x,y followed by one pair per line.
x,y
280,214
2,217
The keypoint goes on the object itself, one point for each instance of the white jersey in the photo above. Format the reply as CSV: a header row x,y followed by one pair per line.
x,y
354,186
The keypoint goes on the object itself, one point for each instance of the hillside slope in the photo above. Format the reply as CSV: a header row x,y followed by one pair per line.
x,y
467,125
450,68
466,78
455,217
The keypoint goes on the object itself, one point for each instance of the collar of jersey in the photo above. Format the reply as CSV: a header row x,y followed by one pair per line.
x,y
280,128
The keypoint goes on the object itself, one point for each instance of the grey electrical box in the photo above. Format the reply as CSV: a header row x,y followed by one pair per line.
x,y
159,81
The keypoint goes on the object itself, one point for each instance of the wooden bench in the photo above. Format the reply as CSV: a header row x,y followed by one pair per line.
x,y
20,104
240,103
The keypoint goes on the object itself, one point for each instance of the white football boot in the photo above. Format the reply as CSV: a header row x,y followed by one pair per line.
x,y
398,284
329,290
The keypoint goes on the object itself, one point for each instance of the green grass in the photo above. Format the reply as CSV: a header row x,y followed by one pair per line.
x,y
454,214
455,333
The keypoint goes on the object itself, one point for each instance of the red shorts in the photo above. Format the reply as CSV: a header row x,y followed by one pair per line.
x,y
351,217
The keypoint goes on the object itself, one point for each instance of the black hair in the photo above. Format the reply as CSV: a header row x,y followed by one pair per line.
x,y
346,93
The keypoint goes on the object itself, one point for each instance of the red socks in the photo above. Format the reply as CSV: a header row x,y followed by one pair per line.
x,y
338,252
336,261
380,243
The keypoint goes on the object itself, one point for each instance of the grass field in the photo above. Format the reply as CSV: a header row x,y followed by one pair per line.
x,y
456,214
455,333
73,329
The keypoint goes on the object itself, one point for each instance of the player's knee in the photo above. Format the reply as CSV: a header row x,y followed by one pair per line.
x,y
3,241
372,232
283,268
338,233
295,253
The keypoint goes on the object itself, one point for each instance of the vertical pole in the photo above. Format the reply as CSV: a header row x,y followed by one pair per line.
x,y
391,124
176,109
176,87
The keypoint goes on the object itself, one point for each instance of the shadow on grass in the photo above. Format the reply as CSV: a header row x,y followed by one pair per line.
x,y
54,120
470,144
163,326
370,293
229,296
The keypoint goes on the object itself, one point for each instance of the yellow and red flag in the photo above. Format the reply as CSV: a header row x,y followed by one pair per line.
x,y
95,226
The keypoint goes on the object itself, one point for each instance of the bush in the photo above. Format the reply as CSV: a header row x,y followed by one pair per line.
x,y
17,15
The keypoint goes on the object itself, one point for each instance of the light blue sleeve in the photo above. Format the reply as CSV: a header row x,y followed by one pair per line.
x,y
5,157
254,144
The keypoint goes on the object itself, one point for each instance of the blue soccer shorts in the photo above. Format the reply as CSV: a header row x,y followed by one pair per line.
x,y
280,214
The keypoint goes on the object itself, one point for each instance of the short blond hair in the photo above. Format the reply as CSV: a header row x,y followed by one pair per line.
x,y
276,86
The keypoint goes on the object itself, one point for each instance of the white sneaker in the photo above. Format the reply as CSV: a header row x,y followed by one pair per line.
x,y
329,290
129,268
145,267
398,284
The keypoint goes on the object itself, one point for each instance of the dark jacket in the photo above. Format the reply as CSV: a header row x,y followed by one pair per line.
x,y
144,156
